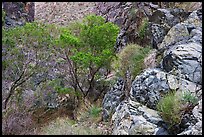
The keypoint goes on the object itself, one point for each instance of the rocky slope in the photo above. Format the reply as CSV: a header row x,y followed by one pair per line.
x,y
62,13
176,35
180,69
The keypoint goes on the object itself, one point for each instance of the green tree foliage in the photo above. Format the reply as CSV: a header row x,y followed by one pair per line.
x,y
25,52
87,46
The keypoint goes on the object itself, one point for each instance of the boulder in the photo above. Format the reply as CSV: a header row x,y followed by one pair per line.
x,y
112,99
162,20
152,84
184,32
133,118
185,59
182,48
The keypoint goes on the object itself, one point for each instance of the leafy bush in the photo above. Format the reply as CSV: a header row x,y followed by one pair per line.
x,y
131,59
95,111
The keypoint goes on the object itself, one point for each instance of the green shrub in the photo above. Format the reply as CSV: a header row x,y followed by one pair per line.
x,y
3,17
131,58
143,28
189,98
174,105
95,111
169,108
26,50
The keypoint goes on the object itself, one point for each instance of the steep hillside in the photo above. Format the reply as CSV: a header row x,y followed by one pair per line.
x,y
132,68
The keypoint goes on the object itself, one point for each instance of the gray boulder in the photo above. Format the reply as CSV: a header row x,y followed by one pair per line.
x,y
133,118
148,87
112,99
162,20
185,59
182,48
184,32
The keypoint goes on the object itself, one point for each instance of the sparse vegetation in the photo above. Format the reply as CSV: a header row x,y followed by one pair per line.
x,y
143,28
3,17
130,60
95,111
64,126
174,105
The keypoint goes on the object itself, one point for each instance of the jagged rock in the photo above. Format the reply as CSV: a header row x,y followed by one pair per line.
x,y
197,111
18,13
133,118
112,99
195,122
161,22
128,16
193,130
151,60
186,59
148,87
183,49
182,33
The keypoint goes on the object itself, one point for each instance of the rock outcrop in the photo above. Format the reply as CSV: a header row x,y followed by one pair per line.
x,y
112,99
180,70
18,13
129,16
133,118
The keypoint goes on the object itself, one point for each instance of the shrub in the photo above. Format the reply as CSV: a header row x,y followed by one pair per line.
x,y
25,52
189,98
169,108
95,111
143,28
174,106
131,59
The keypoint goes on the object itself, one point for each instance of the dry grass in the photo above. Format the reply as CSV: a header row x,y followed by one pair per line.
x,y
65,126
